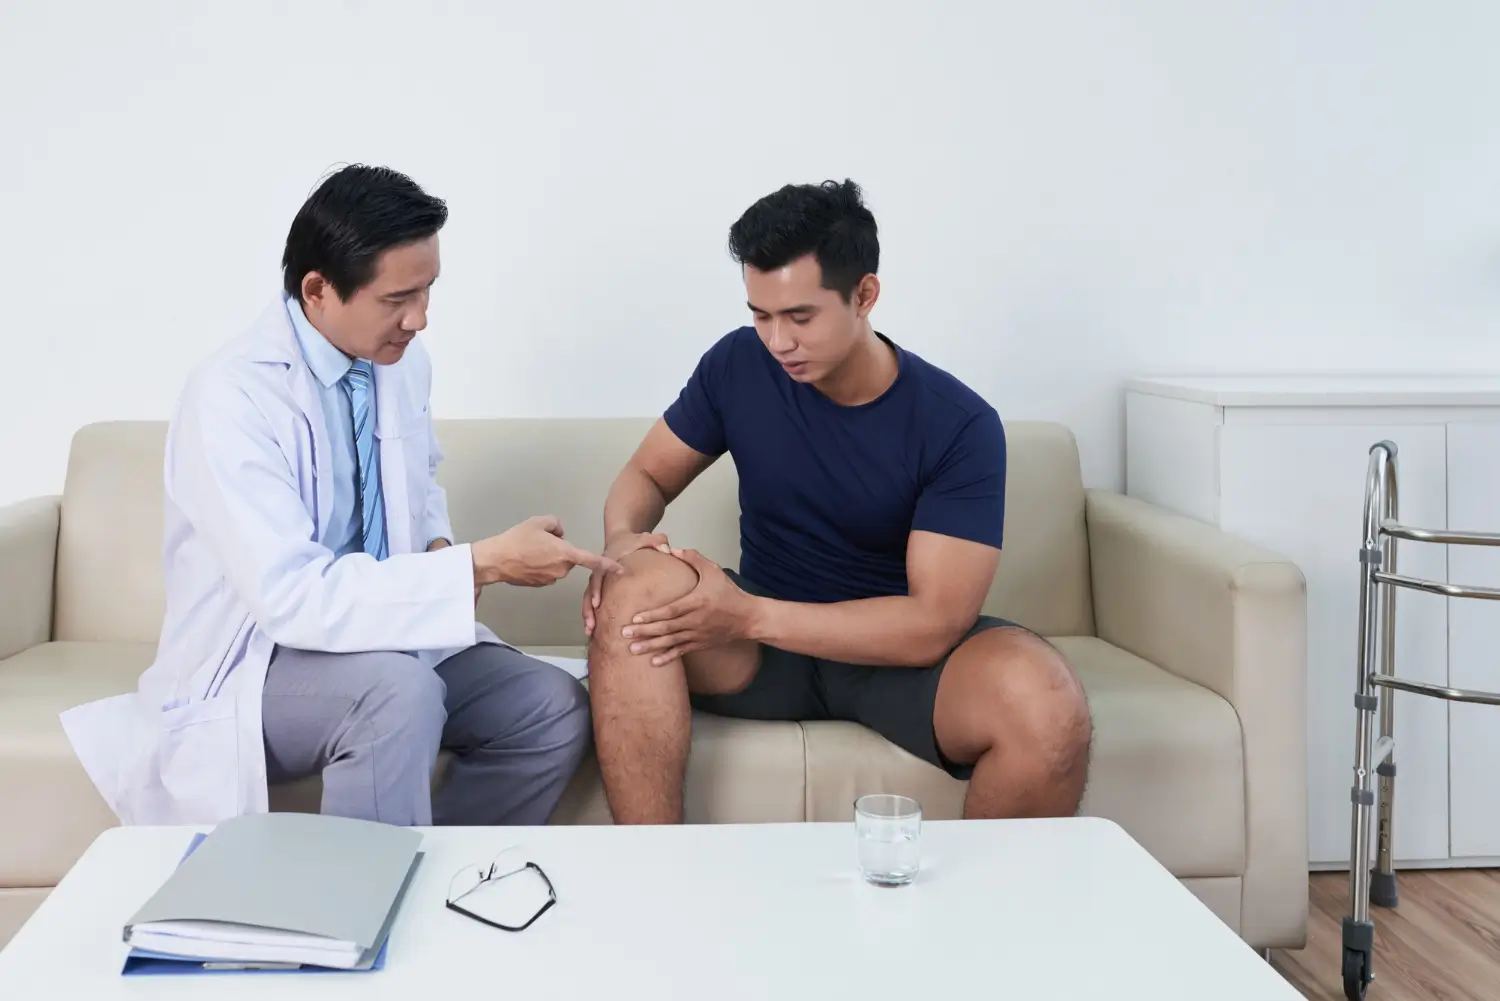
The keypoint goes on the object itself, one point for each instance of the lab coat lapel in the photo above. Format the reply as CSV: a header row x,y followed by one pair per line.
x,y
390,405
278,343
305,395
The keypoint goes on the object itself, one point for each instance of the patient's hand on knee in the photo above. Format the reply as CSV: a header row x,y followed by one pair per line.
x,y
652,578
617,549
712,615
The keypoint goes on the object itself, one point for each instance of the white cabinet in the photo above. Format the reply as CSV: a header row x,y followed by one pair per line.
x,y
1281,461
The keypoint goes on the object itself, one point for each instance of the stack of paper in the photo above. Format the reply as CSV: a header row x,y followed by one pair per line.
x,y
243,944
278,891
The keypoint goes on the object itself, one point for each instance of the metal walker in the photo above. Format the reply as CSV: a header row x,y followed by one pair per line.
x,y
1377,632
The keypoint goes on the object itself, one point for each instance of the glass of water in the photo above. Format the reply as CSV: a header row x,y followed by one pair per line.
x,y
889,833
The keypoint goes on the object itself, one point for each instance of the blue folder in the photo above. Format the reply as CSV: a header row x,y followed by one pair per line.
x,y
141,961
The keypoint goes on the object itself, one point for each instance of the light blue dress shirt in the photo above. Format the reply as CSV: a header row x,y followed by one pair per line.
x,y
329,365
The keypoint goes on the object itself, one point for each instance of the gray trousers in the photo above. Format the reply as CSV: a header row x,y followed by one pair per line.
x,y
372,724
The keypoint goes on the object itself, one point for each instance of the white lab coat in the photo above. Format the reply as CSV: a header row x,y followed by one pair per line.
x,y
248,503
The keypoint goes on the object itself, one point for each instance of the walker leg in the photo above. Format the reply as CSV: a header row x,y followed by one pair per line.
x,y
1383,879
1358,929
1366,701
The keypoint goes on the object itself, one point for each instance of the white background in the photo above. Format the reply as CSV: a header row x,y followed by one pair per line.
x,y
1069,193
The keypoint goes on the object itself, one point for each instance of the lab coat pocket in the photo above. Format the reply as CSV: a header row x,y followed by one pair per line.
x,y
199,760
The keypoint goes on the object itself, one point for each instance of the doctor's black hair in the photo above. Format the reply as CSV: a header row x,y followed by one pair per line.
x,y
356,214
828,220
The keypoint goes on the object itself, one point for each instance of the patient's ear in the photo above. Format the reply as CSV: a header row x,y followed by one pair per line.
x,y
865,294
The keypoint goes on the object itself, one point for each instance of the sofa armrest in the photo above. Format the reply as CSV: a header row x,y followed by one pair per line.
x,y
1230,616
28,561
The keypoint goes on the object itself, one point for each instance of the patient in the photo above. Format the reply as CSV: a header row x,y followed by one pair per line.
x,y
872,493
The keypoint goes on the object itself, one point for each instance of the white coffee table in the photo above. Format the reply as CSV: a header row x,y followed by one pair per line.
x,y
1003,909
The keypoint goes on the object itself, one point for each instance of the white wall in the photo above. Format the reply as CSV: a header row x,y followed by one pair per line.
x,y
1070,193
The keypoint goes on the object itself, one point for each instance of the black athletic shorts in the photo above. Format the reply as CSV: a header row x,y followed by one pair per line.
x,y
895,702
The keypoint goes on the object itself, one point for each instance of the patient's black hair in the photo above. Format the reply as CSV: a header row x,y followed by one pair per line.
x,y
829,220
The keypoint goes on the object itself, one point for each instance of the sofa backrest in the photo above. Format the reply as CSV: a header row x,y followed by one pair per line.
x,y
500,471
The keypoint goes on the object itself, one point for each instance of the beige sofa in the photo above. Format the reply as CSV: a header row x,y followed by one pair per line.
x,y
1190,644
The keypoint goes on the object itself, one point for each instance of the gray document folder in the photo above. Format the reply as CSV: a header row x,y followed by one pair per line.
x,y
320,882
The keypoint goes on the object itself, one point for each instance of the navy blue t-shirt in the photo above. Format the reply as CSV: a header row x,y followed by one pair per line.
x,y
828,493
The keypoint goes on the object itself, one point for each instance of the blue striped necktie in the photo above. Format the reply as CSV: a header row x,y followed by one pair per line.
x,y
360,384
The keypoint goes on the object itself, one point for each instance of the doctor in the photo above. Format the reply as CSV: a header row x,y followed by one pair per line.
x,y
319,611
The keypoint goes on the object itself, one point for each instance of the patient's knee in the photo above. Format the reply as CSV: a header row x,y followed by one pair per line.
x,y
651,579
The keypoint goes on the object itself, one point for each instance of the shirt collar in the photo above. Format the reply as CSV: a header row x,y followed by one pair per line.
x,y
327,362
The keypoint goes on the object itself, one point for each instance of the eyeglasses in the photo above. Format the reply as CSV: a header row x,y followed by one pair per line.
x,y
525,896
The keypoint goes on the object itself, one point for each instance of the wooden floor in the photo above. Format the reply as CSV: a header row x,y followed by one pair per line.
x,y
1442,943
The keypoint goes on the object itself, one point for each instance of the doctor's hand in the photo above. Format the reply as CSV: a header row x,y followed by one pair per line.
x,y
533,554
617,548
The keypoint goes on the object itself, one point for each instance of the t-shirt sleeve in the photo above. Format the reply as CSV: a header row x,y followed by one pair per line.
x,y
965,495
697,415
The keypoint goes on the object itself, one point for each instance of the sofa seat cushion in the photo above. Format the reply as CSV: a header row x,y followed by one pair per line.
x,y
59,810
1164,750
1166,764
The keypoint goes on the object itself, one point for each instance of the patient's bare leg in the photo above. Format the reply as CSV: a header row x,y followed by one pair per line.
x,y
642,718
